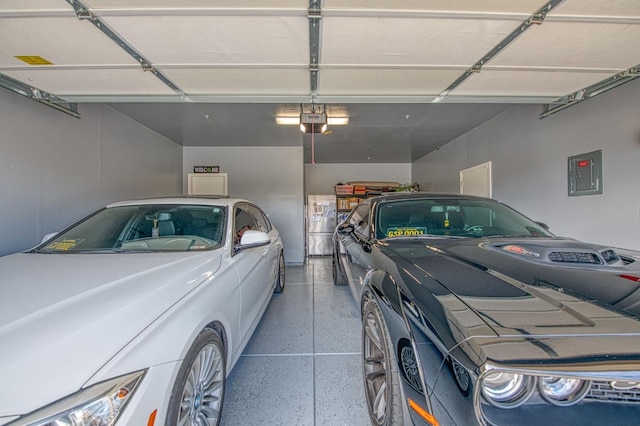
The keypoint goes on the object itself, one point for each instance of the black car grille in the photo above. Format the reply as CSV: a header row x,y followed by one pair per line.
x,y
602,391
574,257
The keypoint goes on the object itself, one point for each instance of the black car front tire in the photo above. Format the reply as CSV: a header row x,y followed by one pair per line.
x,y
380,369
198,392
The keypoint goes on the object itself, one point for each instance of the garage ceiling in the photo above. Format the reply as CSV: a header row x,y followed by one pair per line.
x,y
411,75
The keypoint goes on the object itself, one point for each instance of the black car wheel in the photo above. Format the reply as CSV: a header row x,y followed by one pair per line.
x,y
279,288
338,277
198,392
381,380
463,380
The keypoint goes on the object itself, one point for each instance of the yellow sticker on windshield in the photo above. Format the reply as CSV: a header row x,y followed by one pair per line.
x,y
63,245
405,232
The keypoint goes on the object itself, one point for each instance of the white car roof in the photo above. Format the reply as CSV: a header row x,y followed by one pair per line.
x,y
199,200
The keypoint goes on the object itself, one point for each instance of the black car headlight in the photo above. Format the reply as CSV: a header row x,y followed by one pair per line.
x,y
562,390
98,405
507,390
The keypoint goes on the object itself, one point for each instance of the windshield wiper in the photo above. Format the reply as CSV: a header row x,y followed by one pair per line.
x,y
42,251
133,250
510,236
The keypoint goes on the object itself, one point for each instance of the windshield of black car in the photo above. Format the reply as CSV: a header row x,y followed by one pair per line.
x,y
143,228
463,217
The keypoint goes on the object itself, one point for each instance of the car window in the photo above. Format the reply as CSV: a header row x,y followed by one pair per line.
x,y
243,221
261,219
452,217
359,219
144,228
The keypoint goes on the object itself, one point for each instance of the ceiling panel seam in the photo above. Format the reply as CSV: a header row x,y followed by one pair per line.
x,y
418,14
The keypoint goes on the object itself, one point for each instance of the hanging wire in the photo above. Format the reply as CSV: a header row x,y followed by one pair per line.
x,y
313,147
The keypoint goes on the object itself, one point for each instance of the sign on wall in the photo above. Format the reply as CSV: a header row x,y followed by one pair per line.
x,y
206,169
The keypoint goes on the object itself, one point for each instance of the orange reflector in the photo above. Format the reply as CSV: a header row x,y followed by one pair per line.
x,y
152,418
429,418
122,393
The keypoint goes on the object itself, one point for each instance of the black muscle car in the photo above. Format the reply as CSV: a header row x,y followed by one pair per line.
x,y
474,314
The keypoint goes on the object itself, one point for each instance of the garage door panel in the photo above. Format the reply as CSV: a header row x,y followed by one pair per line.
x,y
241,81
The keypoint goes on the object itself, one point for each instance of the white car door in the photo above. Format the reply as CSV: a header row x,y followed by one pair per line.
x,y
253,266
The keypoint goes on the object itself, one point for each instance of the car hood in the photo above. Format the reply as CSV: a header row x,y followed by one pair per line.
x,y
485,291
63,316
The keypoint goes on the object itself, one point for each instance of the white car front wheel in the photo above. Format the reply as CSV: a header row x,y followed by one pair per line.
x,y
198,393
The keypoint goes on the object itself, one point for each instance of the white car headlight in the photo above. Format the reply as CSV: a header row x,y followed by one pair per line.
x,y
98,405
562,390
507,390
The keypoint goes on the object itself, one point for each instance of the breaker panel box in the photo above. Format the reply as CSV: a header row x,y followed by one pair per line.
x,y
585,174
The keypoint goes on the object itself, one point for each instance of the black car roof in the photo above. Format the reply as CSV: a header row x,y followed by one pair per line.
x,y
411,195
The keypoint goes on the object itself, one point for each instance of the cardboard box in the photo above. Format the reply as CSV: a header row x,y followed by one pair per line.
x,y
344,189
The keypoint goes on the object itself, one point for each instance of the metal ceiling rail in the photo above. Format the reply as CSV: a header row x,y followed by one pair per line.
x,y
315,17
536,19
82,12
590,91
38,95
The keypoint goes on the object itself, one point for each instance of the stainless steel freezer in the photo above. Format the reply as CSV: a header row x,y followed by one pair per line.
x,y
321,222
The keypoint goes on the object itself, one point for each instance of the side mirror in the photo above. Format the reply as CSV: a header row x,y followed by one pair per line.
x,y
48,237
344,228
252,238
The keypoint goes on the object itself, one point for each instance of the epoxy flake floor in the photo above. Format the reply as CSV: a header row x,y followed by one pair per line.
x,y
303,365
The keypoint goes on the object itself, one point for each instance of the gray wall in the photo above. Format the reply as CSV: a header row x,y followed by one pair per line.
x,y
55,168
321,179
272,177
529,164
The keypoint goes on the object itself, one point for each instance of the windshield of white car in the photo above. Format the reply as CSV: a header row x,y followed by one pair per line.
x,y
452,217
143,229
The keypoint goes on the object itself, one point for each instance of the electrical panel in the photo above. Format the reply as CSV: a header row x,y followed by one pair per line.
x,y
585,174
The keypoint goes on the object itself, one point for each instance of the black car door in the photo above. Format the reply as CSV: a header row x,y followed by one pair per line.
x,y
356,246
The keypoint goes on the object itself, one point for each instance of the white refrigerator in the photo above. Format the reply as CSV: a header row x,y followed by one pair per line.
x,y
321,222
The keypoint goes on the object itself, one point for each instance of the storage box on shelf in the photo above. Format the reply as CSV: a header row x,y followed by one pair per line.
x,y
348,196
344,189
359,189
347,203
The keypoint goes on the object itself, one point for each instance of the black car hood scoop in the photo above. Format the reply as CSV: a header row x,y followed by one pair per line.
x,y
569,254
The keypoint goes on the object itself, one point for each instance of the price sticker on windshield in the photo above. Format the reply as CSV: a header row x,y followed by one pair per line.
x,y
63,245
397,231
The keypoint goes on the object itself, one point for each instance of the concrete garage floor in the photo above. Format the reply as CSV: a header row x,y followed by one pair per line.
x,y
303,365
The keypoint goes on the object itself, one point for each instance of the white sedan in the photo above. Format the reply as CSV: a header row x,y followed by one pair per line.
x,y
136,314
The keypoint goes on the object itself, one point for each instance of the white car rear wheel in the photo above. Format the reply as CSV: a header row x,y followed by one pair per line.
x,y
280,278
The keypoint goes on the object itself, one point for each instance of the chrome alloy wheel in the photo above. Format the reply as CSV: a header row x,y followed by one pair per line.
x,y
381,376
375,371
203,390
198,393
